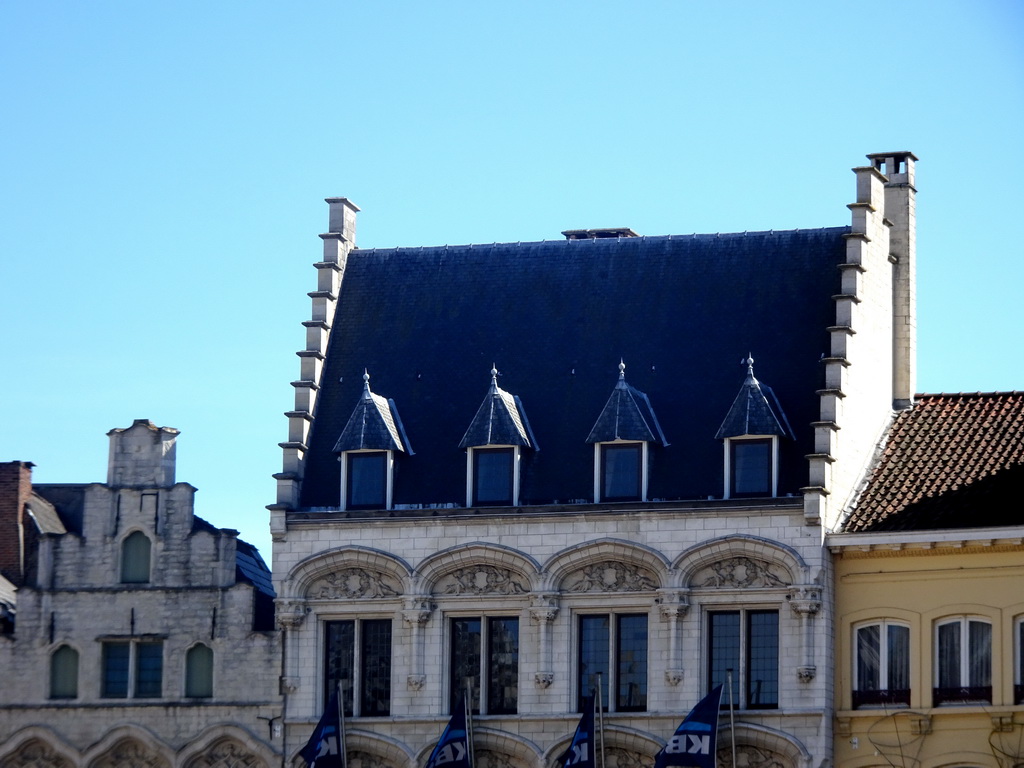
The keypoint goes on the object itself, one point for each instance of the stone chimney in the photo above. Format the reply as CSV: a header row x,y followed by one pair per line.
x,y
900,212
15,489
141,456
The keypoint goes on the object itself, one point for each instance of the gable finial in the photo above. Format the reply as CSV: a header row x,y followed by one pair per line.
x,y
494,378
622,369
366,383
749,362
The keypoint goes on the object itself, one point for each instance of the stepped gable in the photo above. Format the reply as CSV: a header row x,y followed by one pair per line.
x,y
680,310
951,461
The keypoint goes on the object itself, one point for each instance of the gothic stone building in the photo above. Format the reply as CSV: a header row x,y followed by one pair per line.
x,y
534,470
137,634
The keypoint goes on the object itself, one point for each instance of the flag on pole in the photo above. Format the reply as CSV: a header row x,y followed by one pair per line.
x,y
580,753
326,747
453,748
695,742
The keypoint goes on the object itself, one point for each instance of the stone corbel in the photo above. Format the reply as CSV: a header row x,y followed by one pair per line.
x,y
289,685
416,612
543,611
806,674
920,725
673,605
290,613
1002,723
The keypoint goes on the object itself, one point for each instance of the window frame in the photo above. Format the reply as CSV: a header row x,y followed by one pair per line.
x,y
346,459
486,676
472,474
190,666
883,695
742,669
961,694
130,540
135,679
601,451
616,659
73,659
729,475
356,696
1018,652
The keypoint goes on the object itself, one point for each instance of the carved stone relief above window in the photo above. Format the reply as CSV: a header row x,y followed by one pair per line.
x,y
627,758
359,759
36,754
227,754
354,584
131,754
481,580
611,576
740,573
485,758
751,757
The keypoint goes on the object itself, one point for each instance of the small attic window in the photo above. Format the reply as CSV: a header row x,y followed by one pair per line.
x,y
622,472
751,467
366,480
494,471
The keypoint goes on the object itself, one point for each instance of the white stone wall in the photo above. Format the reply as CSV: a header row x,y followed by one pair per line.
x,y
543,554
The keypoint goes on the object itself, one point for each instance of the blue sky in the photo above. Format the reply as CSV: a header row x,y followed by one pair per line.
x,y
163,168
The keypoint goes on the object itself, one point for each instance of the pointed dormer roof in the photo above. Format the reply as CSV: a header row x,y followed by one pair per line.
x,y
500,420
755,411
374,425
627,416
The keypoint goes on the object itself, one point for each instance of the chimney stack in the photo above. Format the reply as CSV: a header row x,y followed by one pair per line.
x,y
15,490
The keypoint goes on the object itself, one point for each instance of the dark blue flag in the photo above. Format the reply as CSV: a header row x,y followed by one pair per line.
x,y
580,753
452,750
325,748
696,739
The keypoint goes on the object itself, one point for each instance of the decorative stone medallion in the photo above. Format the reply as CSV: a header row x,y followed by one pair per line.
x,y
741,573
611,576
354,584
481,580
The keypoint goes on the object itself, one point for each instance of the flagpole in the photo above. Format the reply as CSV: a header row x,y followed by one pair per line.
x,y
732,722
468,707
600,718
341,725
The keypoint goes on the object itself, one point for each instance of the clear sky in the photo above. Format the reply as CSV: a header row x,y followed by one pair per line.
x,y
163,168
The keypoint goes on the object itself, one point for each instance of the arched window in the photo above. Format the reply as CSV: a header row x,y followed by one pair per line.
x,y
199,672
135,553
64,673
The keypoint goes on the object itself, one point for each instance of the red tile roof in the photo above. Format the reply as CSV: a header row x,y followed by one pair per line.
x,y
951,461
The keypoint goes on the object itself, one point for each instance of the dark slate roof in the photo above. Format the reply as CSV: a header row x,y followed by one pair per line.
x,y
68,500
500,420
950,461
627,415
374,425
559,315
250,568
755,411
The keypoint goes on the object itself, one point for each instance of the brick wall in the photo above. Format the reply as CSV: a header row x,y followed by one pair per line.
x,y
15,488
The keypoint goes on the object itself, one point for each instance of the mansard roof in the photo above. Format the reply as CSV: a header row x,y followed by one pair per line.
x,y
500,420
755,411
374,425
558,315
950,461
627,415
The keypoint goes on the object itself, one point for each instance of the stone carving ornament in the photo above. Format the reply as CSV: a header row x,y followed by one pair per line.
x,y
36,754
227,754
627,758
130,754
482,580
487,759
739,572
751,757
611,576
352,584
360,759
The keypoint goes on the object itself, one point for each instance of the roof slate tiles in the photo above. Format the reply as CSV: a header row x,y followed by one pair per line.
x,y
680,310
950,461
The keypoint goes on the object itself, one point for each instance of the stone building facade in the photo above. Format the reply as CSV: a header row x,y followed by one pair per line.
x,y
139,634
534,470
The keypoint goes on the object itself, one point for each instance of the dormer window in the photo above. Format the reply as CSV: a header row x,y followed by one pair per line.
x,y
368,445
494,443
751,432
622,437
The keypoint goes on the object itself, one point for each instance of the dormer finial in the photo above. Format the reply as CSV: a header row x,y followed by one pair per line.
x,y
749,362
622,369
366,383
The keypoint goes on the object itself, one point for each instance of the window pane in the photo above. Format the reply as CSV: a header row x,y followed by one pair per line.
x,y
465,666
149,670
339,661
492,476
724,642
64,673
620,471
631,682
868,658
503,672
199,672
762,659
135,552
115,670
376,668
979,664
367,480
949,655
751,467
899,658
594,649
